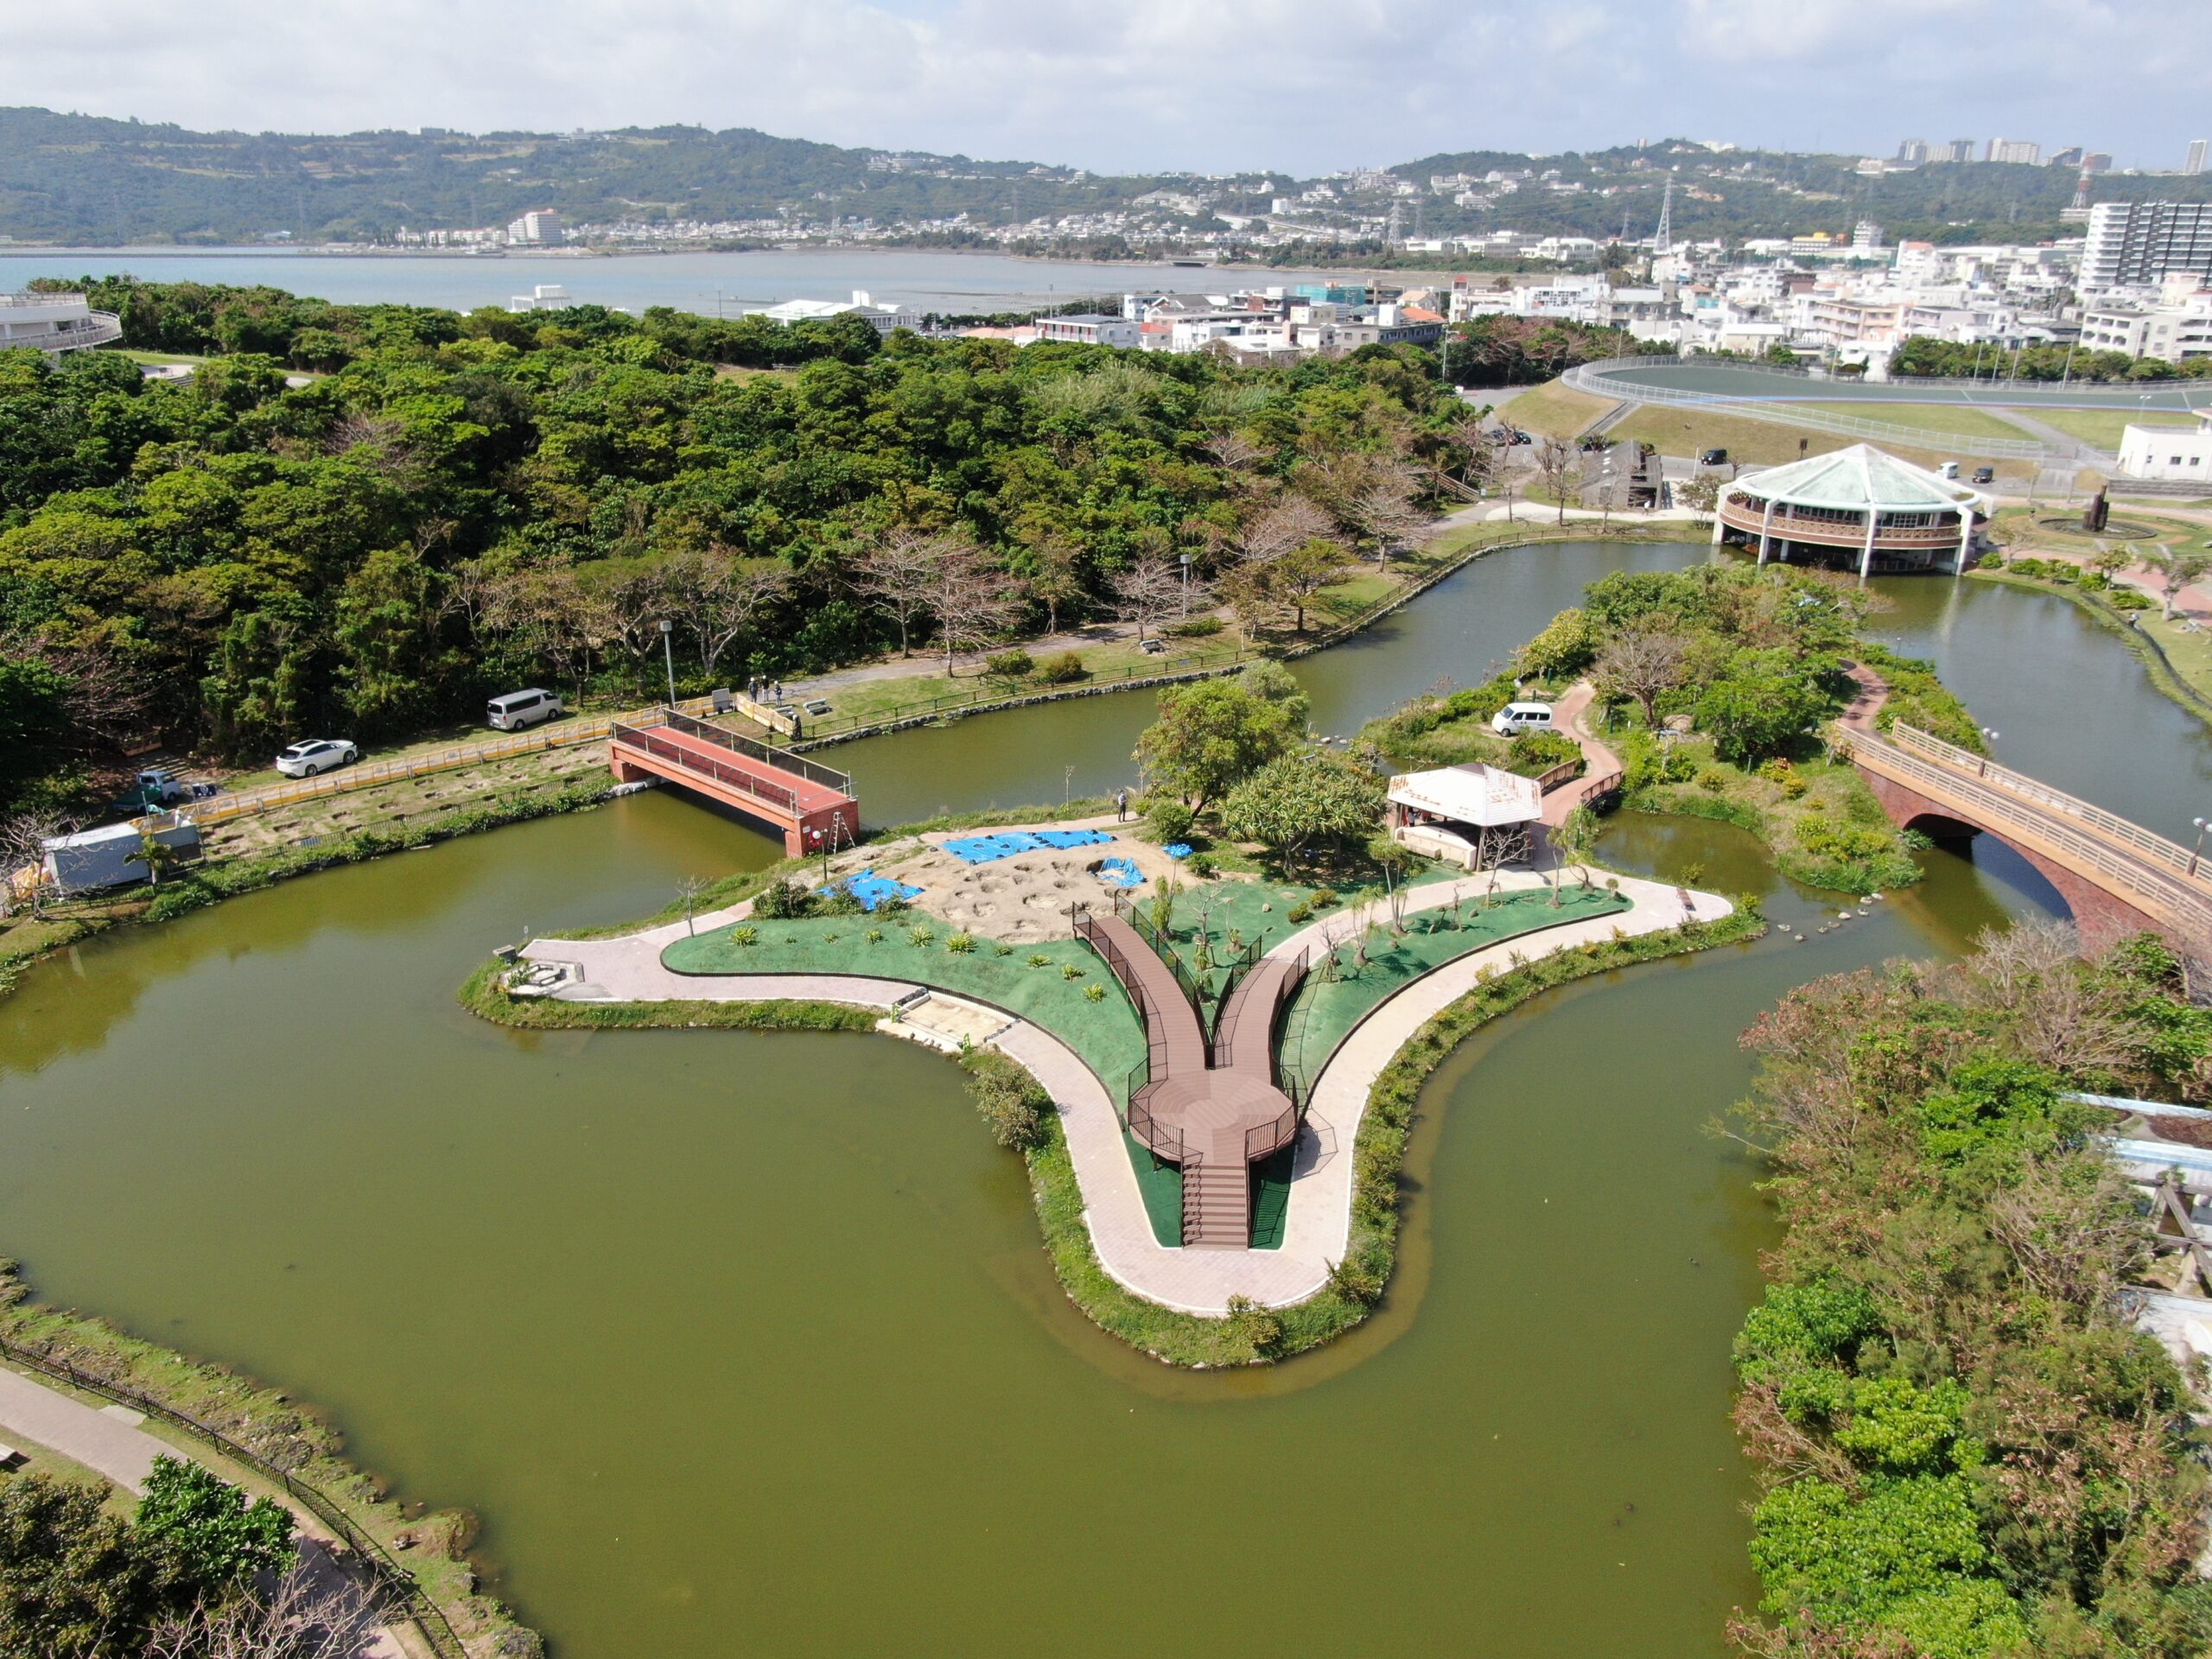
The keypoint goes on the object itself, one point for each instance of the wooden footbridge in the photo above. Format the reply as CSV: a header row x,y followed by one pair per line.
x,y
2118,878
812,805
1212,1106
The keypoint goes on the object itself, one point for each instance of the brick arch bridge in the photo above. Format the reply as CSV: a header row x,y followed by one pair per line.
x,y
2118,878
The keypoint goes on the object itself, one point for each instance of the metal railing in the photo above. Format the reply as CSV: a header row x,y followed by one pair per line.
x,y
1194,1199
782,759
2183,901
2156,847
1591,378
690,762
1149,1073
392,1580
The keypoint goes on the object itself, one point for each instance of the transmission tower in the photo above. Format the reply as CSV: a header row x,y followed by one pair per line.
x,y
2081,193
1663,238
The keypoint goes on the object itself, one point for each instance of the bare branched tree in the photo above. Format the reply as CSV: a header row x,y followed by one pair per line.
x,y
720,596
23,883
898,571
1556,461
1149,589
1642,664
317,1611
969,596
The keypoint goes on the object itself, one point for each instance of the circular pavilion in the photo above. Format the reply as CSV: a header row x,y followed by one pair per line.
x,y
1859,508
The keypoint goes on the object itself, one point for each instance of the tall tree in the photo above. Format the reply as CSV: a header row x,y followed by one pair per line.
x,y
1208,737
968,595
898,570
720,596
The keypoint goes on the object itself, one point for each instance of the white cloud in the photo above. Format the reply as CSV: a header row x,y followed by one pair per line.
x,y
1284,84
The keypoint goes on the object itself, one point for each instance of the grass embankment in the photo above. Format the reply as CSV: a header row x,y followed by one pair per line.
x,y
481,994
1687,431
1057,984
1939,420
1379,1152
429,1545
1554,411
2105,428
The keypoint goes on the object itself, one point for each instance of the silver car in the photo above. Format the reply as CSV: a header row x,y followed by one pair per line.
x,y
317,755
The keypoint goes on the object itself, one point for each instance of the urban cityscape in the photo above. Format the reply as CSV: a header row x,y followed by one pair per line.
x,y
746,868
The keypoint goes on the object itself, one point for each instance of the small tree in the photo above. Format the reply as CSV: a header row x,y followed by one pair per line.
x,y
1643,664
1208,736
222,1538
1555,464
1303,801
687,893
898,571
1149,589
2175,571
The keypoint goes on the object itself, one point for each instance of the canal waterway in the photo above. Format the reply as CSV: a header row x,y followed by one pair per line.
x,y
743,1342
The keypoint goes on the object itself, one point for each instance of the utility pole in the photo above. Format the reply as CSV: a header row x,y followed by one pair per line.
x,y
668,656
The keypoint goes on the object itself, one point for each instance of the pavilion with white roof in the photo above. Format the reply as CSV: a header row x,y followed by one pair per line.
x,y
1858,506
1447,813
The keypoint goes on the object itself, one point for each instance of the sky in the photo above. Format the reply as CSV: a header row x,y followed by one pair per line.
x,y
1211,86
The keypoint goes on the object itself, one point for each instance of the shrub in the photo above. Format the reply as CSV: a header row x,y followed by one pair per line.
x,y
1712,778
1299,914
1199,628
2093,581
1011,1101
961,944
1168,820
918,936
1992,561
1070,971
744,935
1009,665
1794,787
1094,993
1039,959
838,901
1322,898
1533,754
1202,864
1776,771
782,900
874,936
2127,599
1065,669
1256,1326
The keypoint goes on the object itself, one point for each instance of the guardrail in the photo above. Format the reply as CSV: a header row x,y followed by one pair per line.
x,y
767,755
2169,854
1589,378
1143,1078
783,798
392,1580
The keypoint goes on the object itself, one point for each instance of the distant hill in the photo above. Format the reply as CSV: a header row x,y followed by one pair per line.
x,y
85,179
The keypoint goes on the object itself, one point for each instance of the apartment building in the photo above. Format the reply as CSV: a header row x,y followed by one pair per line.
x,y
2137,243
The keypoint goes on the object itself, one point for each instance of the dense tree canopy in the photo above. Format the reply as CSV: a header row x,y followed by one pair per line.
x,y
451,505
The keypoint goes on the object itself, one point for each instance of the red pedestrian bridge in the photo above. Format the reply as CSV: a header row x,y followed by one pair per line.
x,y
812,805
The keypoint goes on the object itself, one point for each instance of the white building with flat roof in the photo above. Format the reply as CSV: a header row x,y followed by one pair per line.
x,y
54,323
538,228
2169,452
887,318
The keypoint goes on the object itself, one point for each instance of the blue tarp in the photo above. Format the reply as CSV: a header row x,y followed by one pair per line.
x,y
1177,849
872,889
1120,872
985,849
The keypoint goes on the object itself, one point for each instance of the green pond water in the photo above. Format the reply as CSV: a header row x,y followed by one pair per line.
x,y
743,1342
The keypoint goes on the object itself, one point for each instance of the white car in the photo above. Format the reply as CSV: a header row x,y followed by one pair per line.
x,y
317,755
1518,717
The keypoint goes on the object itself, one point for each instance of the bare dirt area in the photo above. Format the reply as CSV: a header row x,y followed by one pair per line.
x,y
1023,899
434,795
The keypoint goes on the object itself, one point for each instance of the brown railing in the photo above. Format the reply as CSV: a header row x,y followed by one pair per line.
x,y
1194,1199
1147,1076
783,799
391,1580
2135,872
782,759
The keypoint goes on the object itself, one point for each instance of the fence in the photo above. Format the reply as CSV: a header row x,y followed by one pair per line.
x,y
221,809
1590,377
392,1579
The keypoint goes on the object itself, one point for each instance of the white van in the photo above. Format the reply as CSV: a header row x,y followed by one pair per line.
x,y
1518,717
519,708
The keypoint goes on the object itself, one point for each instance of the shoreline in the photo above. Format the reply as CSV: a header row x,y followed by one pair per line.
x,y
2165,677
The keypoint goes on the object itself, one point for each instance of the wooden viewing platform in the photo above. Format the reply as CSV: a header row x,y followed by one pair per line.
x,y
812,805
1213,1108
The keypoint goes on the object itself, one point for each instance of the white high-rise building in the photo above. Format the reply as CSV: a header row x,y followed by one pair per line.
x,y
2194,163
2015,149
2137,243
538,228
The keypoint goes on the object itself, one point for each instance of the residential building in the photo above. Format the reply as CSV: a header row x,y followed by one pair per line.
x,y
2173,332
2137,243
2163,452
1091,329
1866,237
1843,321
538,228
2194,161
1959,149
54,323
2014,149
1913,150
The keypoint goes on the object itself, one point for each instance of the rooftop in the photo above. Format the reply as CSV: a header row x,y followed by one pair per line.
x,y
1855,479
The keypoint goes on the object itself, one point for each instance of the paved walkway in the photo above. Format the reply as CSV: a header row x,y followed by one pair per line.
x,y
1191,1282
113,1446
1601,767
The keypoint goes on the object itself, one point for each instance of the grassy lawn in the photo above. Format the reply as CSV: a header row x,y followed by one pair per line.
x,y
1106,1033
2104,427
1683,431
1327,1009
1930,417
1552,410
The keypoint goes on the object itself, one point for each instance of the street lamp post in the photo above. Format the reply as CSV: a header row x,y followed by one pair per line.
x,y
2197,851
1185,559
668,656
1992,734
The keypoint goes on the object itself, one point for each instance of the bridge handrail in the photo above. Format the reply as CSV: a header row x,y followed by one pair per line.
x,y
691,760
782,759
2150,845
2183,901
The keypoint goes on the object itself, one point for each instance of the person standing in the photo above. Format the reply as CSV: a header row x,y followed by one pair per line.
x,y
1120,806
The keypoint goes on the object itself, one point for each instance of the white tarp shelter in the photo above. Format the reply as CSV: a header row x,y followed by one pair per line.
x,y
1476,794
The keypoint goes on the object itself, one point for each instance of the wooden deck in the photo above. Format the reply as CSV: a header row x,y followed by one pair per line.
x,y
1215,1120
